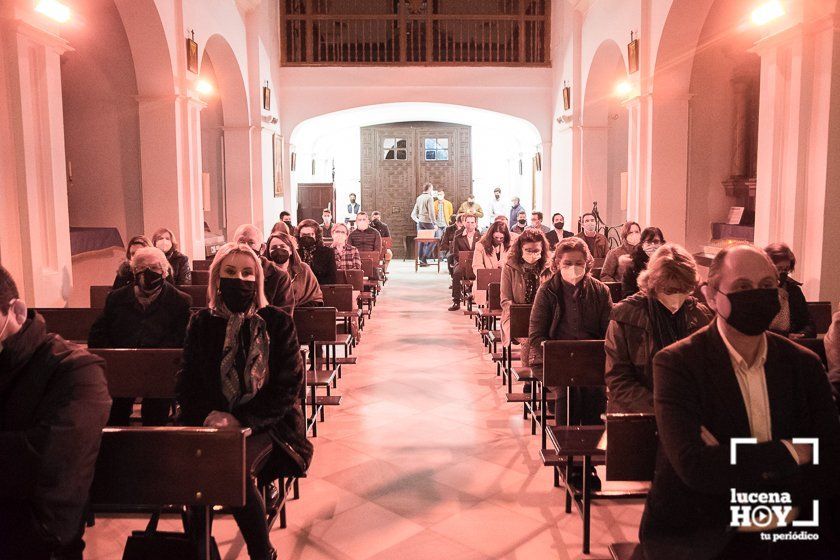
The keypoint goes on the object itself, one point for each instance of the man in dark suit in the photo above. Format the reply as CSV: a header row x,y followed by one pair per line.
x,y
732,379
558,233
465,240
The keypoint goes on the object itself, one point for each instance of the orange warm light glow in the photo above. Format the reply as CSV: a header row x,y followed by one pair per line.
x,y
624,89
54,10
203,87
767,12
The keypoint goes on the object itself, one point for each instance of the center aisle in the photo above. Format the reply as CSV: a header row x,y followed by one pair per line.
x,y
424,459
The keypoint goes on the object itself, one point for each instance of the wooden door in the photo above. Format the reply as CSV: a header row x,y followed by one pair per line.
x,y
313,198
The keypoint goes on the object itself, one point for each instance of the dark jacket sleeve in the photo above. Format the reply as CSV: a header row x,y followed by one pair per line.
x,y
706,469
539,326
182,321
183,275
123,277
606,305
800,318
190,391
285,379
627,392
51,464
329,269
100,331
609,272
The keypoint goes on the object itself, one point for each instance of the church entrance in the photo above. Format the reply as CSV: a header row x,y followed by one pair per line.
x,y
397,159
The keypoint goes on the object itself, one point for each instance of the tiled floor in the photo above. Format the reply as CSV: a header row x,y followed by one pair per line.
x,y
423,460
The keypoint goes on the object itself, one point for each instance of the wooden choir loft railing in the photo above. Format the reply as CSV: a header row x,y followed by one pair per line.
x,y
415,32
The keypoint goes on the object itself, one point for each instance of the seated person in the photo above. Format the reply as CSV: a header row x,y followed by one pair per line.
x,y
595,241
286,218
455,225
527,258
326,224
492,249
124,275
794,320
537,222
242,368
312,251
521,223
365,238
465,240
280,227
54,402
282,250
572,306
660,314
630,266
164,240
278,283
733,379
555,235
380,226
346,256
631,234
150,314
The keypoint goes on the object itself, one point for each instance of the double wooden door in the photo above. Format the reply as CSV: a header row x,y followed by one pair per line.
x,y
399,158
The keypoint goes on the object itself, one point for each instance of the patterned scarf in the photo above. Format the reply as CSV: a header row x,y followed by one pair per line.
x,y
255,372
781,323
532,282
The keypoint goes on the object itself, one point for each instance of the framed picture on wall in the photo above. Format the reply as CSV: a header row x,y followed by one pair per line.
x,y
567,98
266,98
633,54
192,55
278,166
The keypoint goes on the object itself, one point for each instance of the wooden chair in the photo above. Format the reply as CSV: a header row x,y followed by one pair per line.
x,y
570,364
356,278
340,296
490,315
315,328
202,264
140,372
71,323
142,468
483,277
200,277
436,251
820,312
465,259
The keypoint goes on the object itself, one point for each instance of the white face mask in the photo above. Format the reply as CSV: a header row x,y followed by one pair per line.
x,y
589,227
531,258
650,248
164,245
572,274
633,238
6,322
440,196
339,238
672,302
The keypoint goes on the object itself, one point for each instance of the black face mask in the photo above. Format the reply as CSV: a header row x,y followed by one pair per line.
x,y
288,222
307,242
783,277
149,281
752,311
279,255
522,222
238,295
558,225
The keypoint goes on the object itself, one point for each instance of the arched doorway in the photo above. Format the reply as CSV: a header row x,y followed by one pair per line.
x,y
226,142
605,136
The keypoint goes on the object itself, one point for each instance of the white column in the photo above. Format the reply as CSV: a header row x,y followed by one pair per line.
x,y
637,207
244,196
799,136
34,233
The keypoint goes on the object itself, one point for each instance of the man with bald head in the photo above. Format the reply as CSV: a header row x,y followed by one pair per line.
x,y
278,284
733,379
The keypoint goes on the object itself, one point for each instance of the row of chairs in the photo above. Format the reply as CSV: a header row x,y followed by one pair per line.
x,y
567,366
204,468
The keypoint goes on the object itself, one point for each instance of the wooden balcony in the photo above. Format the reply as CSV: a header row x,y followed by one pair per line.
x,y
415,32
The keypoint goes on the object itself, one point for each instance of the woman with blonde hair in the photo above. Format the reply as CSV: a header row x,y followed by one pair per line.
x,y
164,240
242,367
664,311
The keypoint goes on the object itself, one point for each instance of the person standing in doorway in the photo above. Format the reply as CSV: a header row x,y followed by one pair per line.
x,y
423,215
497,205
515,209
352,209
443,211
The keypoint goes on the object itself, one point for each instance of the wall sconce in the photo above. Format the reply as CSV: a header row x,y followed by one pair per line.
x,y
266,97
192,53
633,53
567,97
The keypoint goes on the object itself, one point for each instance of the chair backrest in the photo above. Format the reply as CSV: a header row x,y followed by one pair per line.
x,y
815,345
820,312
574,363
631,446
615,291
339,296
596,273
368,269
200,277
98,295
315,324
484,276
372,255
170,465
465,259
494,296
354,277
202,265
70,323
520,319
140,372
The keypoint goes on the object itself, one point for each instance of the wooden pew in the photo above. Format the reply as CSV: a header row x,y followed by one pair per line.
x,y
142,468
820,312
340,296
99,294
140,372
71,323
483,278
202,264
490,315
356,278
200,277
315,328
